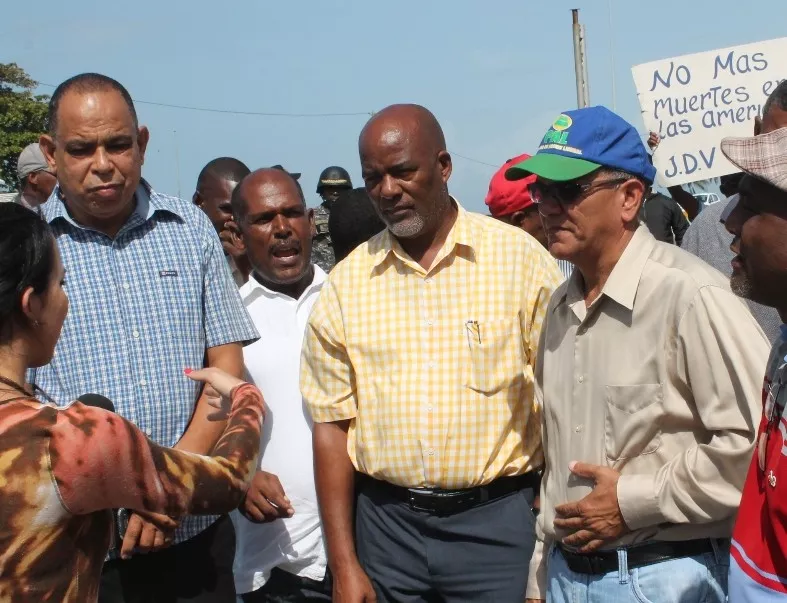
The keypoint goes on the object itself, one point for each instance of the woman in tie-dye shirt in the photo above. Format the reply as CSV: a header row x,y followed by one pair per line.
x,y
62,470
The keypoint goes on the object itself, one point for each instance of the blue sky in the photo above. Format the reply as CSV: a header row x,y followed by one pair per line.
x,y
495,73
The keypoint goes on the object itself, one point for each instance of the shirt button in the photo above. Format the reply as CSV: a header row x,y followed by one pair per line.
x,y
428,280
135,334
581,379
148,432
429,408
430,452
126,286
431,364
578,428
429,322
142,382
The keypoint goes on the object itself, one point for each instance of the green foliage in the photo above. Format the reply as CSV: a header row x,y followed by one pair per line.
x,y
22,117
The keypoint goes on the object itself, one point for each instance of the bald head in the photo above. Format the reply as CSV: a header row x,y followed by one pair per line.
x,y
406,169
263,183
415,123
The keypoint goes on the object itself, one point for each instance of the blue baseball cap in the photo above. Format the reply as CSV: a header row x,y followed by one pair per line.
x,y
582,141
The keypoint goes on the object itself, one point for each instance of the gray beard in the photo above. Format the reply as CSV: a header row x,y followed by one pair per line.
x,y
408,228
741,286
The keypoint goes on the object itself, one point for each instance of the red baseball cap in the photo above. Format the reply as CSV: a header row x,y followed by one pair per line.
x,y
507,196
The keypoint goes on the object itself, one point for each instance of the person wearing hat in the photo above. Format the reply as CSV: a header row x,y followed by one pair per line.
x,y
758,222
509,201
333,181
36,179
648,370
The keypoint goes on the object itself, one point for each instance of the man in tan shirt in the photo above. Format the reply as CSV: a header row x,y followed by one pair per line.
x,y
649,372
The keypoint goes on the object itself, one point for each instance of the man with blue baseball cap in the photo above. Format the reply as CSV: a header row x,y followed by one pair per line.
x,y
648,373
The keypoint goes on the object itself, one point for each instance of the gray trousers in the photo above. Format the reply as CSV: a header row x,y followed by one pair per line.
x,y
481,554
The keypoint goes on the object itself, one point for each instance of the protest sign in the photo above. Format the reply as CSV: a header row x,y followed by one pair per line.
x,y
694,101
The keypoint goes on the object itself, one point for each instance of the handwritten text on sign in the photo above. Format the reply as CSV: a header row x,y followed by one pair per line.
x,y
694,101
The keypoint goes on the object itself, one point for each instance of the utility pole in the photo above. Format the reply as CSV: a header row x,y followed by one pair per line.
x,y
580,61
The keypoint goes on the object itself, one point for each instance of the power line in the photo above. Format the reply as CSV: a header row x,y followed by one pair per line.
x,y
269,114
236,112
474,160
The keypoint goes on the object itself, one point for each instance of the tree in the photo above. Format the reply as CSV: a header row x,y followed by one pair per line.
x,y
23,117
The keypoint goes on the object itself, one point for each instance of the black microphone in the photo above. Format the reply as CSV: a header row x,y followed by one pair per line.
x,y
97,401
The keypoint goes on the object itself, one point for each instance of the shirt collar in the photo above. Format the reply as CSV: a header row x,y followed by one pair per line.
x,y
148,203
460,235
253,289
623,281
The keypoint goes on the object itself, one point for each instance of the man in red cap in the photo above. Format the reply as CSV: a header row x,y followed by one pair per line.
x,y
510,201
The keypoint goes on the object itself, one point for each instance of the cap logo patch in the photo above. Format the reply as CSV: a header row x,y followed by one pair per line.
x,y
563,122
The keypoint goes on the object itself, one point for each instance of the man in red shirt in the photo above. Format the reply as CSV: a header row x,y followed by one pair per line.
x,y
758,569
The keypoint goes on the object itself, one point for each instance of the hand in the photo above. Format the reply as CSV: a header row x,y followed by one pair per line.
x,y
595,519
231,240
353,586
653,141
218,387
265,500
147,532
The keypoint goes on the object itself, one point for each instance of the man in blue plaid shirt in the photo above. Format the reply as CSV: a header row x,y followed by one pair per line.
x,y
150,295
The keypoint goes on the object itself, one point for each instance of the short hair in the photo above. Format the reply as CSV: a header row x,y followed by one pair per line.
x,y
778,96
239,204
223,168
352,221
87,82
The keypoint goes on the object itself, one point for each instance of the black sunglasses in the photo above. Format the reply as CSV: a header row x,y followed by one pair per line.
x,y
567,193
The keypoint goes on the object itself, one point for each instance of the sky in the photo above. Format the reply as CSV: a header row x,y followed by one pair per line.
x,y
496,74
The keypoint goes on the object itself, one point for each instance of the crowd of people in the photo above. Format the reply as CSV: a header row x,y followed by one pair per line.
x,y
388,397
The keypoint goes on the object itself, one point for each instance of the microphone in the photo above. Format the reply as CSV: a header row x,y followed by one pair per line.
x,y
97,401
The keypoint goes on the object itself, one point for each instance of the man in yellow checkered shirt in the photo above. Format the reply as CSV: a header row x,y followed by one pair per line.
x,y
418,372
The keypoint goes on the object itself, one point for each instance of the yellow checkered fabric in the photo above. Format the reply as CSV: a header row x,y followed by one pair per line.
x,y
434,368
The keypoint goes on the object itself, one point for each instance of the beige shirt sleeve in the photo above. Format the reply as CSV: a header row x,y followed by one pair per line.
x,y
327,382
537,575
719,361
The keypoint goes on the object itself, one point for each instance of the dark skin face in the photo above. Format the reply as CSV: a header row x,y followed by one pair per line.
x,y
39,185
406,170
213,197
759,225
276,232
529,220
97,153
330,194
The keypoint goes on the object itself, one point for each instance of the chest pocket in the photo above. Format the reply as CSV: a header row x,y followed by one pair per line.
x,y
181,300
632,425
495,352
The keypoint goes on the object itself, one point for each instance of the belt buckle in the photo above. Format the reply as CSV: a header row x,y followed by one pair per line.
x,y
419,494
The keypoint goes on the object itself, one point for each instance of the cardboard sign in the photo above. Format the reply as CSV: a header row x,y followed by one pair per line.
x,y
694,101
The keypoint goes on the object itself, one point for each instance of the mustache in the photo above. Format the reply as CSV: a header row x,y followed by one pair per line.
x,y
293,244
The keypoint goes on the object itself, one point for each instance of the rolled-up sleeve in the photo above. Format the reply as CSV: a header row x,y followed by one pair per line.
x,y
327,377
719,356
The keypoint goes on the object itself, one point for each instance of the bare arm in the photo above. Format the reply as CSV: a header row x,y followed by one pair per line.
x,y
99,461
335,480
686,200
202,433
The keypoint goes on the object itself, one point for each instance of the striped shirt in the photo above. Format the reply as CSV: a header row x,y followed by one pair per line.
x,y
566,267
434,368
143,306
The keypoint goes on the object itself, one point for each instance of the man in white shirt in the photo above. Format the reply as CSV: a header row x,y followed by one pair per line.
x,y
279,552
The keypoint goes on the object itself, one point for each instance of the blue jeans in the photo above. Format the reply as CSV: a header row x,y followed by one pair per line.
x,y
701,579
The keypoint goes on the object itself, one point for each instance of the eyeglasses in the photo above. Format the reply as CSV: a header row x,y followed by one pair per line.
x,y
568,193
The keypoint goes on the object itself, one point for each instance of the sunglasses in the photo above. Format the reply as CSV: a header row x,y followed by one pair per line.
x,y
568,193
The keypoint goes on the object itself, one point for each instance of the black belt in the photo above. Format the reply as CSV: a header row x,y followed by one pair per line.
x,y
447,502
638,555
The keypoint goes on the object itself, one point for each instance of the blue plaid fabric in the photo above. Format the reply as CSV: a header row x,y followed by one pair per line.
x,y
143,306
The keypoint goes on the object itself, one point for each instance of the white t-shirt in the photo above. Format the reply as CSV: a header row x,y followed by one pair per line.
x,y
294,545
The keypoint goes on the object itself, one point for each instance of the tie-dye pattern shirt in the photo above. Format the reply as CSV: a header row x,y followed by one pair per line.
x,y
62,469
